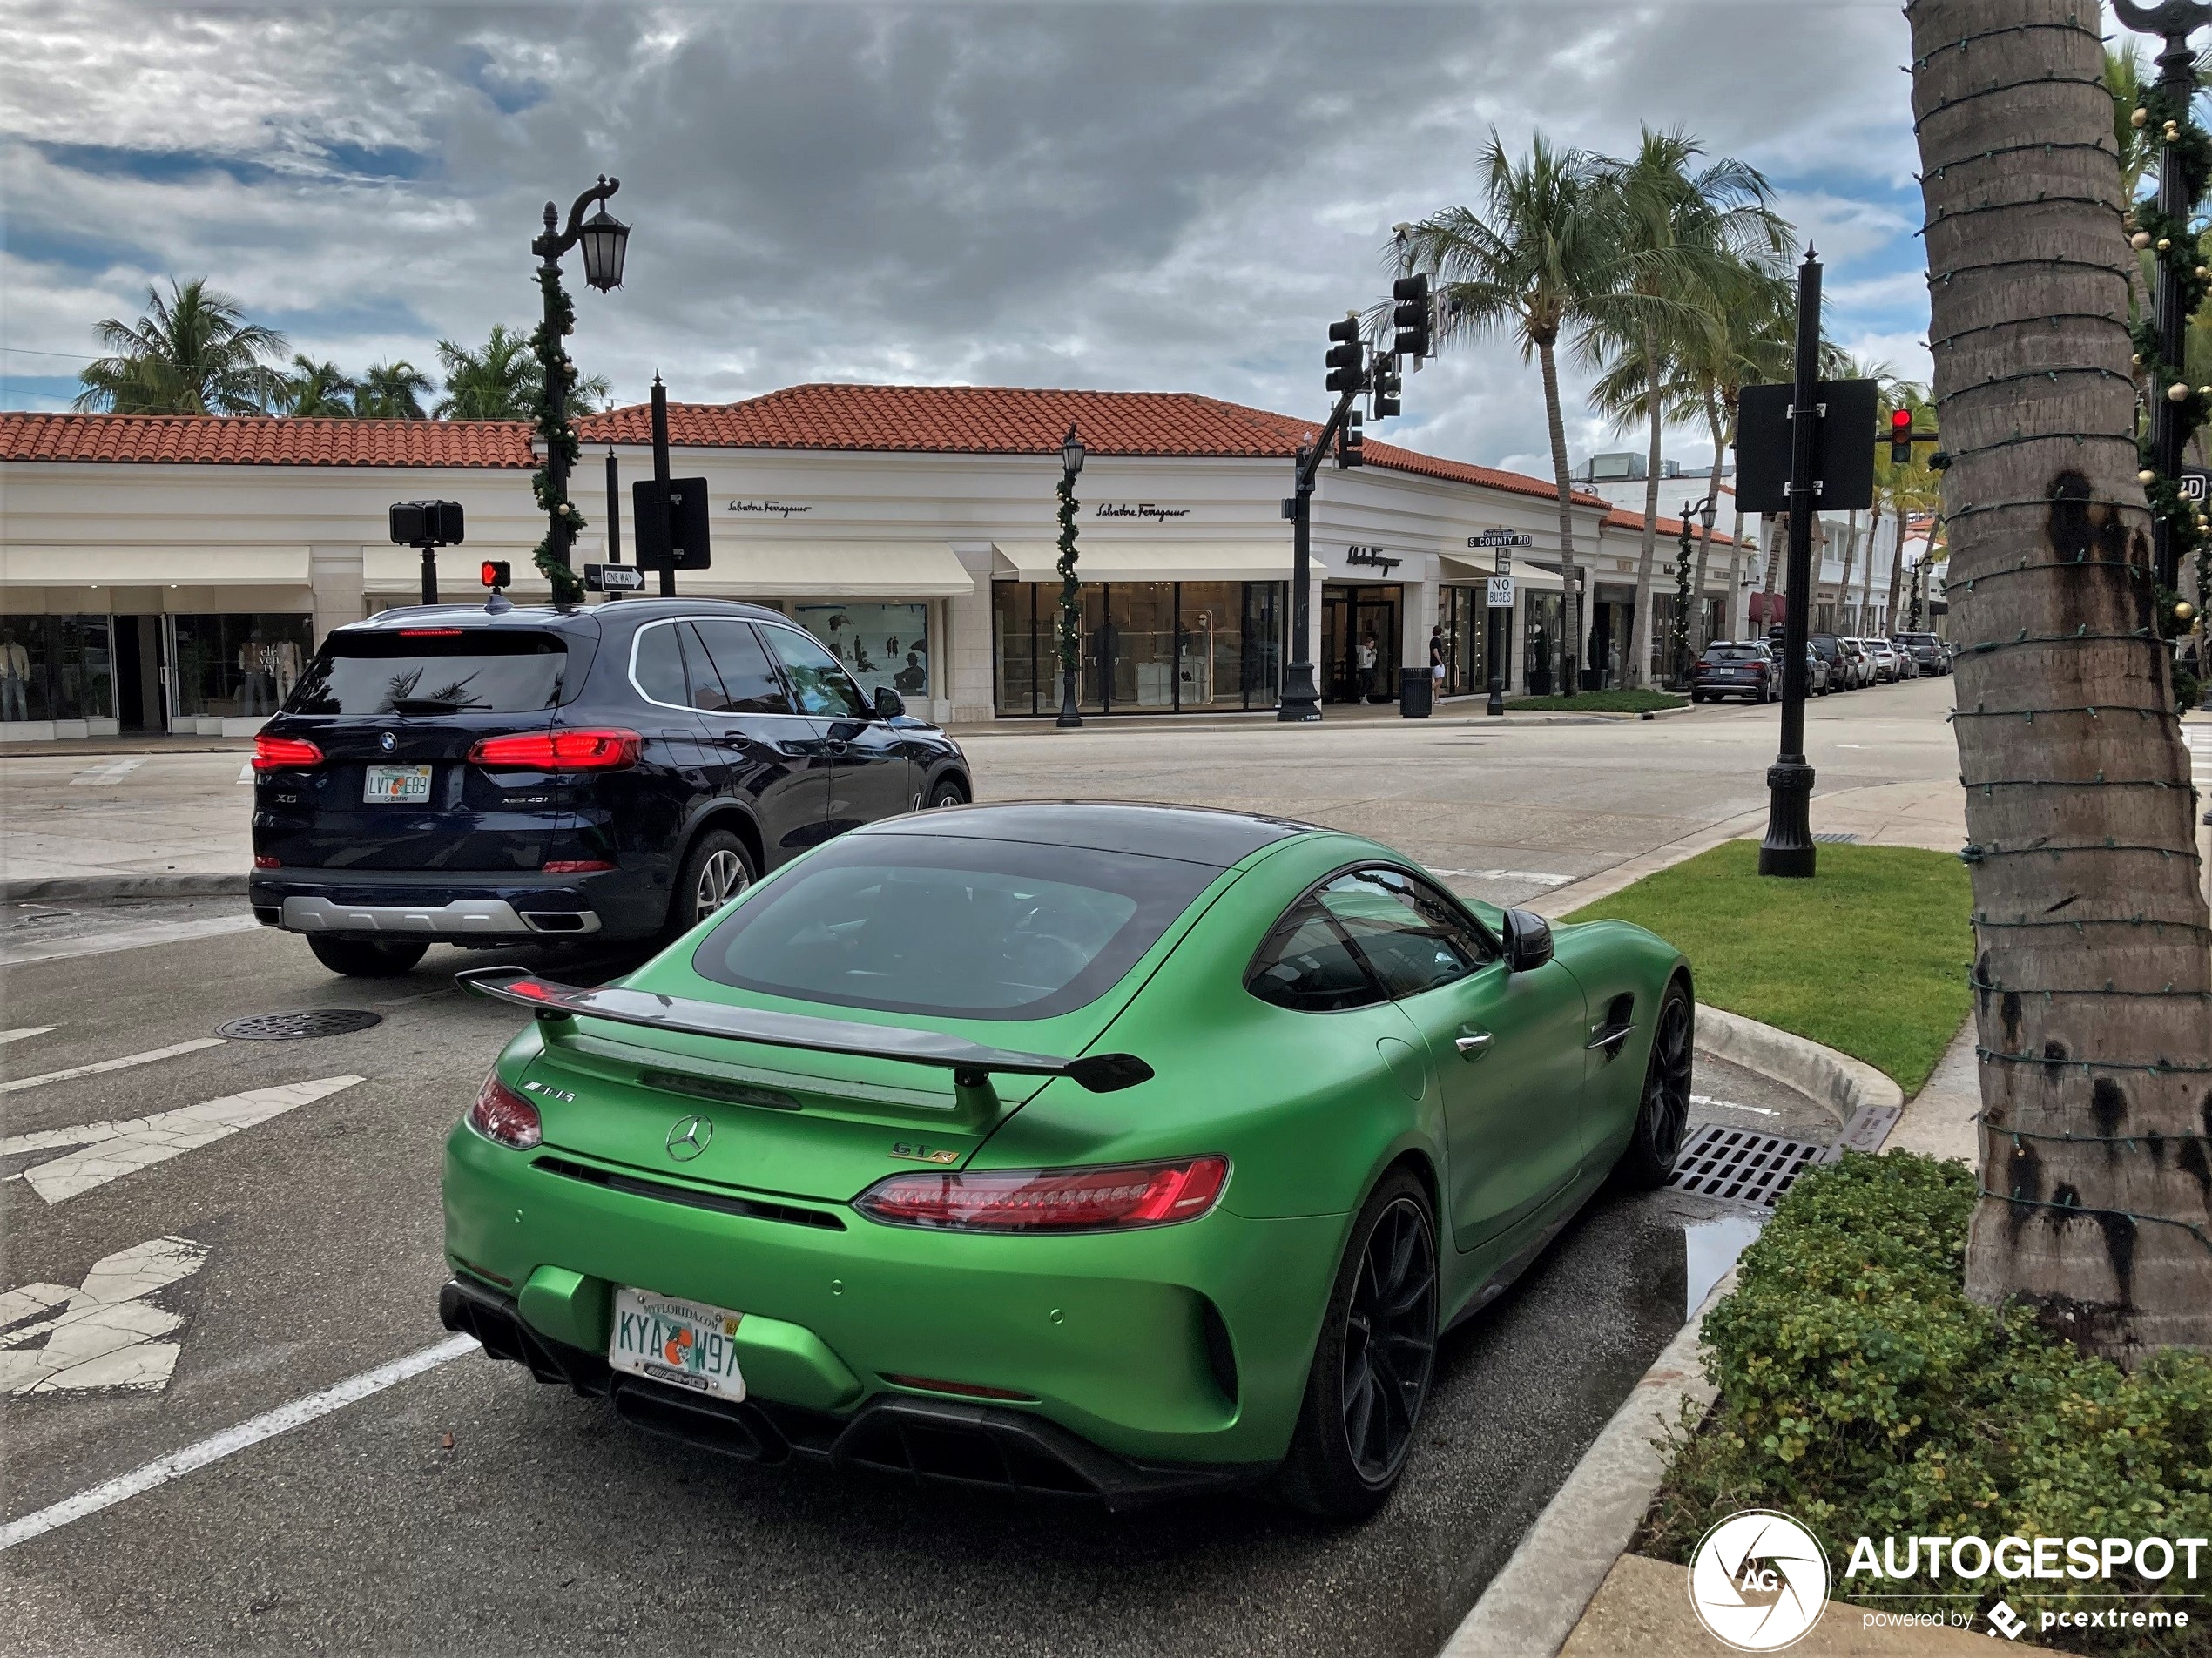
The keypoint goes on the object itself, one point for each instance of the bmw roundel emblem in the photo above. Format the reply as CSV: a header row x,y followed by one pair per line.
x,y
388,742
689,1138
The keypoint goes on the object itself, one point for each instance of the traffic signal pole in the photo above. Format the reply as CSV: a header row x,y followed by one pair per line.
x,y
660,479
1788,849
1301,702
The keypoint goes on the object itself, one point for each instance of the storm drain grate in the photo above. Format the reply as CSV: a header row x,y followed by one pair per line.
x,y
1742,1167
1837,839
298,1027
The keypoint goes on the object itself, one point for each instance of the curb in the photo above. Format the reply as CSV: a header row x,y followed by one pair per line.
x,y
1843,1085
216,885
1540,1594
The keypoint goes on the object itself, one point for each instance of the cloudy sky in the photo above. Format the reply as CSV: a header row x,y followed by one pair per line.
x,y
1119,196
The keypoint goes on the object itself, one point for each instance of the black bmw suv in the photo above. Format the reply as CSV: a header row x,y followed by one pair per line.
x,y
488,775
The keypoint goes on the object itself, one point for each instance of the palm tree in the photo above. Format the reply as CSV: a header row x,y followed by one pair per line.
x,y
1673,223
192,353
501,381
317,388
392,391
1529,260
2090,964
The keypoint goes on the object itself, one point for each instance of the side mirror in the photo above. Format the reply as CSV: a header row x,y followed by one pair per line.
x,y
1528,940
889,704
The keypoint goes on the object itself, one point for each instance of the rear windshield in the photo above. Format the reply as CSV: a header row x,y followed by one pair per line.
x,y
926,924
1734,653
458,671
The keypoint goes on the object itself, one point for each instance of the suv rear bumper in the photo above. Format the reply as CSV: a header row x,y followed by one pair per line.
x,y
458,908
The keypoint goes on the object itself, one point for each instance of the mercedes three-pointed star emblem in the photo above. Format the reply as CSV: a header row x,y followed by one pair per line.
x,y
689,1138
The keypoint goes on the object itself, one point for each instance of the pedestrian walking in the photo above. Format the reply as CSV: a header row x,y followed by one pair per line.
x,y
1367,656
1437,651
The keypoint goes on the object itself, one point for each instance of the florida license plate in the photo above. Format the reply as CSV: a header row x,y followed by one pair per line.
x,y
398,784
681,1343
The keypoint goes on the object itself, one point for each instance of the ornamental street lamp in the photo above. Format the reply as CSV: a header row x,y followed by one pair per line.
x,y
1704,513
604,240
1071,604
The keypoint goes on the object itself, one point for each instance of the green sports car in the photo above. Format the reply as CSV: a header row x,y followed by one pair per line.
x,y
1115,1150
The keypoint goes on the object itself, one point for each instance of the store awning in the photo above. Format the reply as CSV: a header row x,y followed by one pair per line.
x,y
1479,569
21,566
1165,560
742,570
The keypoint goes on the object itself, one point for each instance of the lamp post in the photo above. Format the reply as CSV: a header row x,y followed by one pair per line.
x,y
1705,512
604,240
1788,849
1071,599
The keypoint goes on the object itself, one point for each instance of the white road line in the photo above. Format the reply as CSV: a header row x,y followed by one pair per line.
x,y
1731,1105
110,1150
112,771
22,1031
267,1426
134,937
1537,876
125,1064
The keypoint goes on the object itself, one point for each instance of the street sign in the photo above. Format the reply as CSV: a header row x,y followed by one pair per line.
x,y
1501,593
613,578
2192,481
673,535
1844,463
1502,538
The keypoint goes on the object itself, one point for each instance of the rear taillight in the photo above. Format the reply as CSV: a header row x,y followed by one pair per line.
x,y
1049,1200
1759,669
575,866
262,860
274,753
577,751
503,1117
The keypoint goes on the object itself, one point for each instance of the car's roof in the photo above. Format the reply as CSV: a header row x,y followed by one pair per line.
x,y
630,611
1193,834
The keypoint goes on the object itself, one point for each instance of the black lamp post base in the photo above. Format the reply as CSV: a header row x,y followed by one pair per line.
x,y
1788,850
1069,714
1497,704
1300,703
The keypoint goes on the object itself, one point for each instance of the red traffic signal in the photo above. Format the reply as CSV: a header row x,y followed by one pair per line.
x,y
493,573
1900,437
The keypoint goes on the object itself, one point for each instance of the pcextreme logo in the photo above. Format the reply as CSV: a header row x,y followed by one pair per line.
x,y
1758,1581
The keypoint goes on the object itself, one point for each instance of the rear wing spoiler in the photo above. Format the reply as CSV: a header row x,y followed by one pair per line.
x,y
971,1063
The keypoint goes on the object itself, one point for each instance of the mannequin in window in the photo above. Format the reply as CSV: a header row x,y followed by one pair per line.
x,y
15,676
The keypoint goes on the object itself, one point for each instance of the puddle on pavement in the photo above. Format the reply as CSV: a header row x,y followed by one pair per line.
x,y
1709,1248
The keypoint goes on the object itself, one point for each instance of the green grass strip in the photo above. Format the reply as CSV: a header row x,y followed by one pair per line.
x,y
1869,957
1597,702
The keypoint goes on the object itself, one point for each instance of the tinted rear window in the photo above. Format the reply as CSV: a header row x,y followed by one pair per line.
x,y
1734,653
434,672
923,924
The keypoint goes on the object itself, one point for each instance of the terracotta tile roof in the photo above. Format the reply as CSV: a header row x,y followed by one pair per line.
x,y
998,419
255,439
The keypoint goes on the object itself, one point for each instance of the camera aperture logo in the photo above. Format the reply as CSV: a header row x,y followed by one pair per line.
x,y
1758,1581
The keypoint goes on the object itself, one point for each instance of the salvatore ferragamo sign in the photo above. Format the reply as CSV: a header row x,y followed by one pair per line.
x,y
1138,509
780,509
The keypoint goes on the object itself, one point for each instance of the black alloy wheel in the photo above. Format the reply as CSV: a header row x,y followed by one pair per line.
x,y
1662,1113
716,870
947,793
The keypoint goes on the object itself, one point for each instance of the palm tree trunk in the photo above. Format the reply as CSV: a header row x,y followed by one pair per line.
x,y
2092,969
1777,530
1737,625
1697,639
1897,572
1866,571
1844,622
1571,625
1639,662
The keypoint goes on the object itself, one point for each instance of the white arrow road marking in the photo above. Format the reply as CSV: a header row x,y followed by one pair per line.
x,y
113,772
121,1064
267,1426
129,938
106,1336
19,1034
112,1150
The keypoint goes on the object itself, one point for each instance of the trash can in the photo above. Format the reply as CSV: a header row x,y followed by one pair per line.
x,y
1415,687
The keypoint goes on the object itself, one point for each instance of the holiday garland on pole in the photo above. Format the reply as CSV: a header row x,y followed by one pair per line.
x,y
1071,591
1680,630
556,372
2174,242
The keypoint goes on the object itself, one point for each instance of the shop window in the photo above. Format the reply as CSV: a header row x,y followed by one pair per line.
x,y
237,666
1153,646
1546,637
1022,658
57,667
879,644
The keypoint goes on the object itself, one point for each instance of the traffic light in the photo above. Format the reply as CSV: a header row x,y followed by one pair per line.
x,y
494,574
1345,355
1350,442
1411,316
1389,383
1900,437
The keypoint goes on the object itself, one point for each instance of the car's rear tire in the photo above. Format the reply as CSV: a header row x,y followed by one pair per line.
x,y
1662,1109
716,869
367,958
1371,1367
947,792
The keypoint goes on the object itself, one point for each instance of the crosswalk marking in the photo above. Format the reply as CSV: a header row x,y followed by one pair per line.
x,y
112,771
130,937
22,1031
98,1066
105,1333
110,1150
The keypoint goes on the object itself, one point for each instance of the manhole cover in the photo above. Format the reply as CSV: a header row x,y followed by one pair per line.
x,y
1744,1167
299,1026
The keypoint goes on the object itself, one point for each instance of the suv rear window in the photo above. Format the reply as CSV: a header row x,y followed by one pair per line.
x,y
1734,653
946,926
434,670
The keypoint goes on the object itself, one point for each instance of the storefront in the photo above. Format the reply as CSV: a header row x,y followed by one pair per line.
x,y
1146,647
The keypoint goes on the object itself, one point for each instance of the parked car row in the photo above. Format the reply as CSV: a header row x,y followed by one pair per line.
x,y
1752,668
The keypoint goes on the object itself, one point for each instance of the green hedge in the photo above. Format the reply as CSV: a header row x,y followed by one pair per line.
x,y
1862,1393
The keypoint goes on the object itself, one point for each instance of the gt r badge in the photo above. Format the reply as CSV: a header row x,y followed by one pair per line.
x,y
388,742
905,1153
689,1138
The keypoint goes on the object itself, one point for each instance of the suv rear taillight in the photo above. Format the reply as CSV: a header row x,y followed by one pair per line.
x,y
279,753
603,750
1109,1199
504,1117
